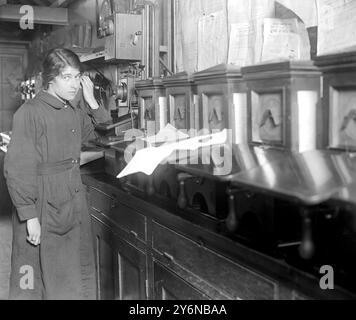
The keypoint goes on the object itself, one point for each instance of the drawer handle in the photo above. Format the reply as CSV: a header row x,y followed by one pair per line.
x,y
168,256
134,233
201,243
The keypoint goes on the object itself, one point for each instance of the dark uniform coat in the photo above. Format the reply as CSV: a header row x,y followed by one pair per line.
x,y
43,177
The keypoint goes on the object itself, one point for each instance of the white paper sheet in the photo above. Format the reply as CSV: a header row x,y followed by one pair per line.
x,y
260,10
212,40
146,160
337,26
283,12
167,134
281,39
239,44
239,11
188,15
252,12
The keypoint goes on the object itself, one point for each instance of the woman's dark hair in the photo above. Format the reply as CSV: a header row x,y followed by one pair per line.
x,y
55,61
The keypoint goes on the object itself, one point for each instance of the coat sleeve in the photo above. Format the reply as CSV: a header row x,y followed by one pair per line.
x,y
89,118
20,164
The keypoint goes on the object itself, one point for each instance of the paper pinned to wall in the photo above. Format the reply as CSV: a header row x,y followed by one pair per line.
x,y
212,40
261,10
305,9
252,12
239,11
211,6
188,14
178,42
281,39
240,45
337,26
283,12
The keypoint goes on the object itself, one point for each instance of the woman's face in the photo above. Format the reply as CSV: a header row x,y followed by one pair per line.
x,y
66,85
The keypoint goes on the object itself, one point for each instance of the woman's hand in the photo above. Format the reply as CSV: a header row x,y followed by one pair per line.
x,y
88,92
33,231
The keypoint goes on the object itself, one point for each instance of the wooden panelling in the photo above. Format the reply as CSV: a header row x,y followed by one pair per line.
x,y
100,201
125,217
13,61
104,258
129,220
169,286
11,100
6,118
186,259
121,267
237,281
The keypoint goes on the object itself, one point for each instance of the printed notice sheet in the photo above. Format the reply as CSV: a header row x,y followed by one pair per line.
x,y
251,12
281,39
337,26
239,44
212,40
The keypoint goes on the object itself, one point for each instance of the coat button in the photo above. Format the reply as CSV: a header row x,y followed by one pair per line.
x,y
73,130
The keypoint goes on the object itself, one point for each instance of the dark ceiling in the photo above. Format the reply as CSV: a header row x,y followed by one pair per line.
x,y
44,3
12,29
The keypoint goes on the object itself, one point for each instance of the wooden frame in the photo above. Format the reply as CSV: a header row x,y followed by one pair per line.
x,y
257,98
342,113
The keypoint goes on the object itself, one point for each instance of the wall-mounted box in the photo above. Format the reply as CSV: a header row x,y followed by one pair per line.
x,y
152,105
222,98
125,39
284,108
339,101
181,100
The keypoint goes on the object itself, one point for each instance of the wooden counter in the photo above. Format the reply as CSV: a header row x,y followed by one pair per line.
x,y
147,248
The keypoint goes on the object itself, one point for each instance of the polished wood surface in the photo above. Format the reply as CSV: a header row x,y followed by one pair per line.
x,y
188,255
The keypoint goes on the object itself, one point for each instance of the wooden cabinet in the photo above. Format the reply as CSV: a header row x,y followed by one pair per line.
x,y
229,278
13,63
181,101
104,260
339,87
284,107
222,98
120,265
144,251
152,105
169,286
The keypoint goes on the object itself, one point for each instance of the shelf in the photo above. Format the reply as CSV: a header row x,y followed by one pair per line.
x,y
92,56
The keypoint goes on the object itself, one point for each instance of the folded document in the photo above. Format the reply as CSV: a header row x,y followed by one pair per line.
x,y
146,160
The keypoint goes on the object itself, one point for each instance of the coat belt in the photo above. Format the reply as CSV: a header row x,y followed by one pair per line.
x,y
49,168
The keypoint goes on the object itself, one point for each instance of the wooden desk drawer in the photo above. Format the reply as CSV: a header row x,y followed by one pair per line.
x,y
100,201
233,279
129,220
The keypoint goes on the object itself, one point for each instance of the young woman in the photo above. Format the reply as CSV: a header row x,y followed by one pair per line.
x,y
52,253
